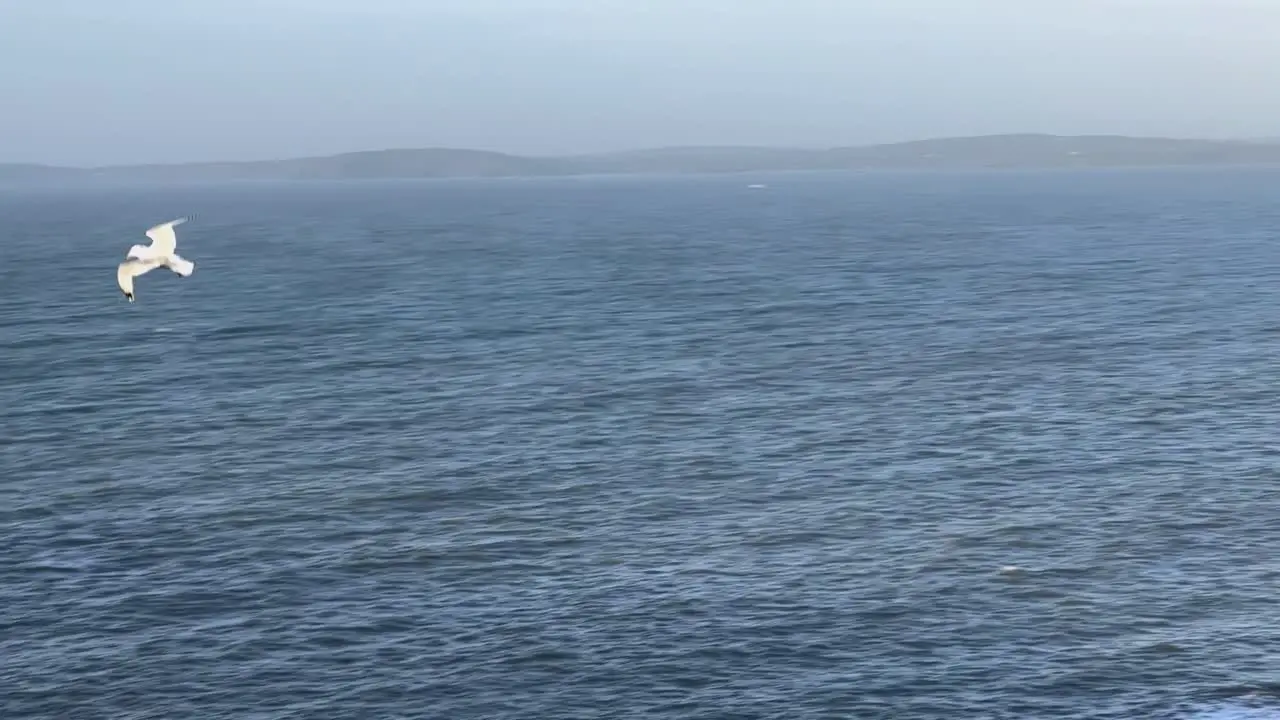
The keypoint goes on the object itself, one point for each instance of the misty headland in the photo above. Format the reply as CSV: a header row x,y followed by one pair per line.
x,y
1012,151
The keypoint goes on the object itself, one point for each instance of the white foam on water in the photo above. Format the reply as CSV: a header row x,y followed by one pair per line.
x,y
1235,712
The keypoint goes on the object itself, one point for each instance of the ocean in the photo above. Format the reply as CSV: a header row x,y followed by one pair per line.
x,y
851,445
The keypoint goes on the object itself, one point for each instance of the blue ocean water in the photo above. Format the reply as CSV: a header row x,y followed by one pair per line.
x,y
885,445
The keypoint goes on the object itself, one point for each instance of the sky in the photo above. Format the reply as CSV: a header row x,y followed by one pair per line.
x,y
97,82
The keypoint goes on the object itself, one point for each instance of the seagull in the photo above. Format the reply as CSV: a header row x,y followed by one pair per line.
x,y
160,253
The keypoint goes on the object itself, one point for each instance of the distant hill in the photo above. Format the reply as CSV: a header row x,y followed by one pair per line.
x,y
991,151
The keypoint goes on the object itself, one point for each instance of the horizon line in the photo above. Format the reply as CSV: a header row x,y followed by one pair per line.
x,y
635,150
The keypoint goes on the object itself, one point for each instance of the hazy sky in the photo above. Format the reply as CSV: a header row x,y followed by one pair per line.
x,y
115,81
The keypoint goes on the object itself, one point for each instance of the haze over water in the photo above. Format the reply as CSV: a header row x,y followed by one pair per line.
x,y
140,81
876,445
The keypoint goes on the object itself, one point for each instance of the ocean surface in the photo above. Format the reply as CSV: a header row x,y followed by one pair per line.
x,y
883,445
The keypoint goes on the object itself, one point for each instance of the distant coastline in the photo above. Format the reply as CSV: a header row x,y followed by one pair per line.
x,y
989,151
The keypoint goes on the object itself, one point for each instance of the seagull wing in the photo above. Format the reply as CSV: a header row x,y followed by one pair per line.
x,y
128,270
163,241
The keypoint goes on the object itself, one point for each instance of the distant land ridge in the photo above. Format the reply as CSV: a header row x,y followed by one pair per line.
x,y
975,152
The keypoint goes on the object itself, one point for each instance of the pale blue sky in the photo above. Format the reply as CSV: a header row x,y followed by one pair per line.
x,y
116,81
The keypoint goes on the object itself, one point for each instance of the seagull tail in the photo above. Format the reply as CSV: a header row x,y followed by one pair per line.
x,y
181,265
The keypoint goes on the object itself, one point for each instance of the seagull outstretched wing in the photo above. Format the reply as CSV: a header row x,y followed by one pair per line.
x,y
163,240
128,270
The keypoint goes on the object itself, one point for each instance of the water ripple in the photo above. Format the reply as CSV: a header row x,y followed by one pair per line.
x,y
885,445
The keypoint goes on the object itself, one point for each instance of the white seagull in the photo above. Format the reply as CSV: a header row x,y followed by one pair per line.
x,y
160,253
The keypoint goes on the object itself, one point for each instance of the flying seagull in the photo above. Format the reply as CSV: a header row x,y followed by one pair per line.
x,y
160,253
